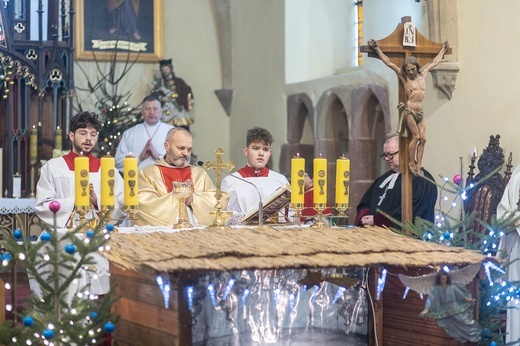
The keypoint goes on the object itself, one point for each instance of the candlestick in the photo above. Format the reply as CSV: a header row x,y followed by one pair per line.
x,y
17,185
342,183
130,170
108,171
320,180
297,184
58,139
81,168
33,146
320,189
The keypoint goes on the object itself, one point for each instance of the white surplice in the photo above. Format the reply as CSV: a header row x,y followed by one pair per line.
x,y
243,197
56,183
510,244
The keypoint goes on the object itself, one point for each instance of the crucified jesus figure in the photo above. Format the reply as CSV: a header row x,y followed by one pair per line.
x,y
411,119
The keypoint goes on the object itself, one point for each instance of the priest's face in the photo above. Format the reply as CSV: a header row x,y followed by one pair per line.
x,y
178,148
83,140
257,154
151,112
391,151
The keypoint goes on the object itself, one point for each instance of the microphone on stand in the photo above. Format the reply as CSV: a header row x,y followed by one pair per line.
x,y
260,204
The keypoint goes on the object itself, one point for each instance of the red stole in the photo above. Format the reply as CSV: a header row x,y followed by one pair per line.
x,y
93,162
170,174
250,172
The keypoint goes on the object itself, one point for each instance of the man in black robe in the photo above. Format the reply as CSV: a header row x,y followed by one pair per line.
x,y
385,193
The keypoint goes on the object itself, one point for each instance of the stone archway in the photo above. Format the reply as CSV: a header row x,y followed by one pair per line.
x,y
353,120
299,111
347,119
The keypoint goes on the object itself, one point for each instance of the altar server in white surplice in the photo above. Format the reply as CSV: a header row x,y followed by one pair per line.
x,y
57,177
243,197
509,248
146,140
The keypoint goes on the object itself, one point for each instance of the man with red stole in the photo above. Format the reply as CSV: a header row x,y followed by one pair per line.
x,y
158,205
57,178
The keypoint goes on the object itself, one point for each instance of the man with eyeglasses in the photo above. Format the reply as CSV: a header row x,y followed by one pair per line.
x,y
144,141
384,195
57,178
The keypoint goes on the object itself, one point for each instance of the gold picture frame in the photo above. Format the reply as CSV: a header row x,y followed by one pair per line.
x,y
100,33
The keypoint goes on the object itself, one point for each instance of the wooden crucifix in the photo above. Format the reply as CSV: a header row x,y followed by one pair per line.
x,y
407,52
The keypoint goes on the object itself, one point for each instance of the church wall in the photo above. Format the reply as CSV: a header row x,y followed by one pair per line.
x,y
320,38
190,39
480,106
485,96
485,100
259,99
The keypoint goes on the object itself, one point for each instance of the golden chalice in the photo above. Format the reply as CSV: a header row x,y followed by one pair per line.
x,y
181,191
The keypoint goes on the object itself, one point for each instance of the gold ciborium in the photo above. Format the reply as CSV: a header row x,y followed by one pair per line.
x,y
181,191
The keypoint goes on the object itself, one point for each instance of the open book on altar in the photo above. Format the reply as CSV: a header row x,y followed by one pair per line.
x,y
272,206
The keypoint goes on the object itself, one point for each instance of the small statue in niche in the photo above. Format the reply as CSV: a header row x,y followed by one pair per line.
x,y
449,302
175,95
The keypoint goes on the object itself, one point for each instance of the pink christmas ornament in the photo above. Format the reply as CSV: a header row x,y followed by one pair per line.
x,y
457,178
54,206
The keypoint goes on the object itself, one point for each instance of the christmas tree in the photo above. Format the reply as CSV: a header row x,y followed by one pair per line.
x,y
494,291
113,104
62,309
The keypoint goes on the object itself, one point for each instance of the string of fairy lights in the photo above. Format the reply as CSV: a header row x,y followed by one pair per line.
x,y
441,234
74,316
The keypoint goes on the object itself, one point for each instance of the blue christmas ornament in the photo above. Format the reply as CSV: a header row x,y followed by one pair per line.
x,y
45,236
109,327
6,256
70,249
492,343
485,333
48,334
93,315
90,233
28,321
447,235
110,227
17,234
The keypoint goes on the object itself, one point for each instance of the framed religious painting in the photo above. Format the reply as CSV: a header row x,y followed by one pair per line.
x,y
120,29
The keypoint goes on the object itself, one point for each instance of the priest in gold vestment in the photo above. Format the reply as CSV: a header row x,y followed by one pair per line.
x,y
158,205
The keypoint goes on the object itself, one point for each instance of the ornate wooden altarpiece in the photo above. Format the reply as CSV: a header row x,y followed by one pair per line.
x,y
36,67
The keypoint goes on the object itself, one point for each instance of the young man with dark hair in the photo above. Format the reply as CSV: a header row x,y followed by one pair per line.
x,y
57,177
243,197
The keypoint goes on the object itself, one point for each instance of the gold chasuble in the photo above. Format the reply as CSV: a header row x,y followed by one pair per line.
x,y
158,205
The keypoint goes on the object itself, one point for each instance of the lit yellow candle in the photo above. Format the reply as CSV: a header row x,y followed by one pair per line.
x,y
108,172
33,146
130,170
297,179
57,139
82,181
320,180
342,180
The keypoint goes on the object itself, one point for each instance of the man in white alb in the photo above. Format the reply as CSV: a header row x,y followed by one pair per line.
x,y
146,140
